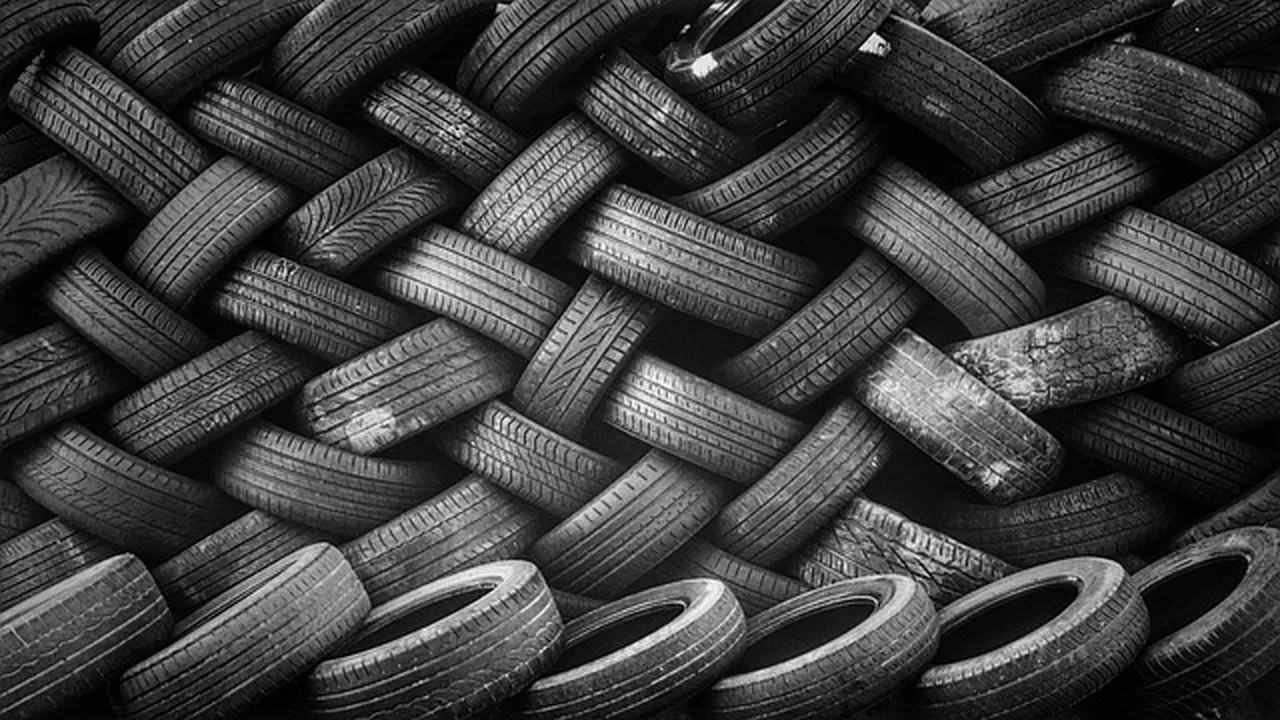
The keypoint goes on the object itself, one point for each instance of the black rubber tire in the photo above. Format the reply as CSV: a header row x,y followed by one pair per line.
x,y
948,95
109,127
403,387
320,486
750,70
78,635
1174,273
688,263
365,211
119,21
1082,621
1215,624
1101,348
975,274
470,524
267,131
31,25
22,146
528,460
870,539
1257,73
1235,388
18,513
574,606
1259,506
204,227
44,555
654,507
1150,97
1206,33
756,588
299,609
828,653
638,655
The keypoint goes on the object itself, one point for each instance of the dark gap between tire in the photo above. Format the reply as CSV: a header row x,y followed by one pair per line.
x,y
753,12
803,635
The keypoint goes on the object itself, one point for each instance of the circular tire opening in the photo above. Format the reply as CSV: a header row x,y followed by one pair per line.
x,y
416,620
803,635
614,637
1179,599
1004,622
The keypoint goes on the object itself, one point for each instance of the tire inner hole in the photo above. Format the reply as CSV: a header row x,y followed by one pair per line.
x,y
1005,621
1179,599
416,620
804,634
615,637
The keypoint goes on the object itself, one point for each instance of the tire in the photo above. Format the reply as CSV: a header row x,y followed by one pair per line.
x,y
119,21
204,227
645,652
1235,388
282,138
756,588
948,95
461,645
29,26
44,555
871,539
828,653
1101,348
1156,99
470,524
530,461
197,403
49,209
634,524
403,387
750,71
962,424
940,245
688,263
574,606
1034,642
105,124
1215,624
364,212
18,513
1208,33
1257,73
302,607
1174,274
1259,506
21,147
77,635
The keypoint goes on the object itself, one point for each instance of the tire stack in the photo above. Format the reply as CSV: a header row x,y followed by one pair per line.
x,y
639,359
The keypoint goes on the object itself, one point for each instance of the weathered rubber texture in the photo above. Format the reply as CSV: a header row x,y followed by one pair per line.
x,y
582,355
22,146
974,274
366,210
1173,273
119,21
1061,189
644,115
821,343
28,26
200,40
404,386
697,420
962,424
1208,33
470,524
1259,506
871,539
204,227
1186,111
284,139
499,296
1052,660
18,513
1101,348
688,263
1110,516
43,555
438,122
574,606
948,95
109,127
536,464
124,500
1161,445
202,400
532,46
634,524
1263,250
670,642
540,189
757,69
1233,202
132,326
51,374
1257,73
1011,36
228,557
306,308
806,489
757,588
1235,388
432,654
78,635
286,618
1215,625
331,55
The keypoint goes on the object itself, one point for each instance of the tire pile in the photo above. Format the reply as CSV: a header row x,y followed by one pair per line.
x,y
639,359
